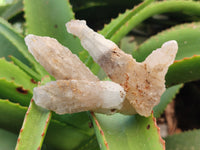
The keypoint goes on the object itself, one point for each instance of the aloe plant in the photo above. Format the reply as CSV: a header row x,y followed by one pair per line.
x,y
24,125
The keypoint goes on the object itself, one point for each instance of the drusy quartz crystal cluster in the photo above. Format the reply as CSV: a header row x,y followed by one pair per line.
x,y
135,87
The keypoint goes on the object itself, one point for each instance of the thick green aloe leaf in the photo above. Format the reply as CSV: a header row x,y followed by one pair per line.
x,y
113,27
11,115
7,140
13,73
15,84
189,7
92,144
77,120
188,140
13,44
185,70
103,144
59,135
187,36
34,128
165,99
26,69
48,18
13,10
15,92
119,132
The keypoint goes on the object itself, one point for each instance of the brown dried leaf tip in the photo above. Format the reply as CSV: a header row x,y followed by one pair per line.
x,y
77,89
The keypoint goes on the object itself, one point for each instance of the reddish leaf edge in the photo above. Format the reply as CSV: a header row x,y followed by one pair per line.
x,y
162,141
96,123
186,58
32,105
45,127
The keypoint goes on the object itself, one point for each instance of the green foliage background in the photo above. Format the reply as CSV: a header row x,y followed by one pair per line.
x,y
138,27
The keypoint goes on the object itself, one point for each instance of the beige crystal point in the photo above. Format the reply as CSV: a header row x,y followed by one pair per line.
x,y
57,59
143,82
71,96
90,39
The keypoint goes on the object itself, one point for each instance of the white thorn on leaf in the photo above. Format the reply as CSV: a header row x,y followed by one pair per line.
x,y
144,82
71,96
57,59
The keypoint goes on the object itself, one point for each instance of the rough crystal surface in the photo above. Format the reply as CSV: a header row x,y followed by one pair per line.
x,y
77,89
71,96
143,82
57,59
